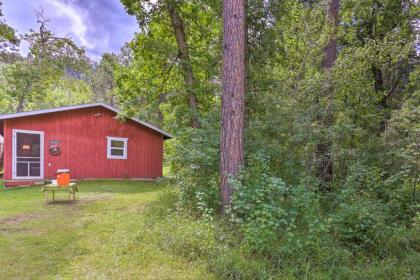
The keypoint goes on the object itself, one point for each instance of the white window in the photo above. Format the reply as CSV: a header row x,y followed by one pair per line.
x,y
116,148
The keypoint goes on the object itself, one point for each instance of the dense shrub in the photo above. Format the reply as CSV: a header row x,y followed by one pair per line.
x,y
195,163
369,210
359,223
273,214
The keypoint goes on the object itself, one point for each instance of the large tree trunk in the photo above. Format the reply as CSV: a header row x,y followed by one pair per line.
x,y
233,98
324,162
179,31
331,48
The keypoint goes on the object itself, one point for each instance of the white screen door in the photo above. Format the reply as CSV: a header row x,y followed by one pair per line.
x,y
28,154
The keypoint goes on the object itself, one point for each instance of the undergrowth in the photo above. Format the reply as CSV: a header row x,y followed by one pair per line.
x,y
225,249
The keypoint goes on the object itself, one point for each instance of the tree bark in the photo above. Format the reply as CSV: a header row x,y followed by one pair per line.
x,y
324,164
233,97
189,79
331,48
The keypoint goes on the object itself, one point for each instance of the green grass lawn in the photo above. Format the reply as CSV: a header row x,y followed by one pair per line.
x,y
130,230
98,237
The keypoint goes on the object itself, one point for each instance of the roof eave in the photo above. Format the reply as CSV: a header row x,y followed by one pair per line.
x,y
165,134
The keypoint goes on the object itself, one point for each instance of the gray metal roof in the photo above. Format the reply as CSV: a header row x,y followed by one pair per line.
x,y
74,107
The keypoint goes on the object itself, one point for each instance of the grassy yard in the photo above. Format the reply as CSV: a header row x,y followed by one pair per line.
x,y
129,230
98,237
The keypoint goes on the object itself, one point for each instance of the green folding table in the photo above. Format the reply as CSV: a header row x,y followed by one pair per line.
x,y
70,188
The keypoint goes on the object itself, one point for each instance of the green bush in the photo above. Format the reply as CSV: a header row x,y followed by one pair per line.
x,y
274,215
369,212
359,223
195,163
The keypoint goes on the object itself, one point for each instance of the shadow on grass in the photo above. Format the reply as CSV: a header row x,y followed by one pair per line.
x,y
62,202
94,186
123,186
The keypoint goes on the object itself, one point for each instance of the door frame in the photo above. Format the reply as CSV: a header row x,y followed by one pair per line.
x,y
14,154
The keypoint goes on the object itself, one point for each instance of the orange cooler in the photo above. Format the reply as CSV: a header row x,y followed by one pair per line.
x,y
63,177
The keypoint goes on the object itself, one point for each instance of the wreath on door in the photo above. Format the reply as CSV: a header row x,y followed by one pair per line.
x,y
55,150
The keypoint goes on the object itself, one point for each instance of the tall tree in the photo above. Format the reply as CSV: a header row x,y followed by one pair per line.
x,y
324,161
102,81
53,74
233,97
151,14
7,33
48,49
8,40
22,84
189,79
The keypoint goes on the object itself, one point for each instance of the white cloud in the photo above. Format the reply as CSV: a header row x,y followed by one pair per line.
x,y
78,26
99,25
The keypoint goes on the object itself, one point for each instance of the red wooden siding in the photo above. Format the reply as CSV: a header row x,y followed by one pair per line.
x,y
83,144
1,157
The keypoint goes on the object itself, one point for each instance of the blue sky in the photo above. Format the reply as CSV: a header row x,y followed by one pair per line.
x,y
98,25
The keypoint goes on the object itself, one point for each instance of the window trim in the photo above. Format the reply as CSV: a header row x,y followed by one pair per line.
x,y
109,148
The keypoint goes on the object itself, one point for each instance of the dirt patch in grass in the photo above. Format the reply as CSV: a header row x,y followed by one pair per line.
x,y
12,230
18,219
13,224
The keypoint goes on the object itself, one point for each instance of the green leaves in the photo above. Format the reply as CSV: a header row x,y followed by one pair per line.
x,y
153,85
195,165
8,36
273,215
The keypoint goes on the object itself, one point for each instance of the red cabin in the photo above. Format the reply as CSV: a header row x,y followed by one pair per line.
x,y
87,139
